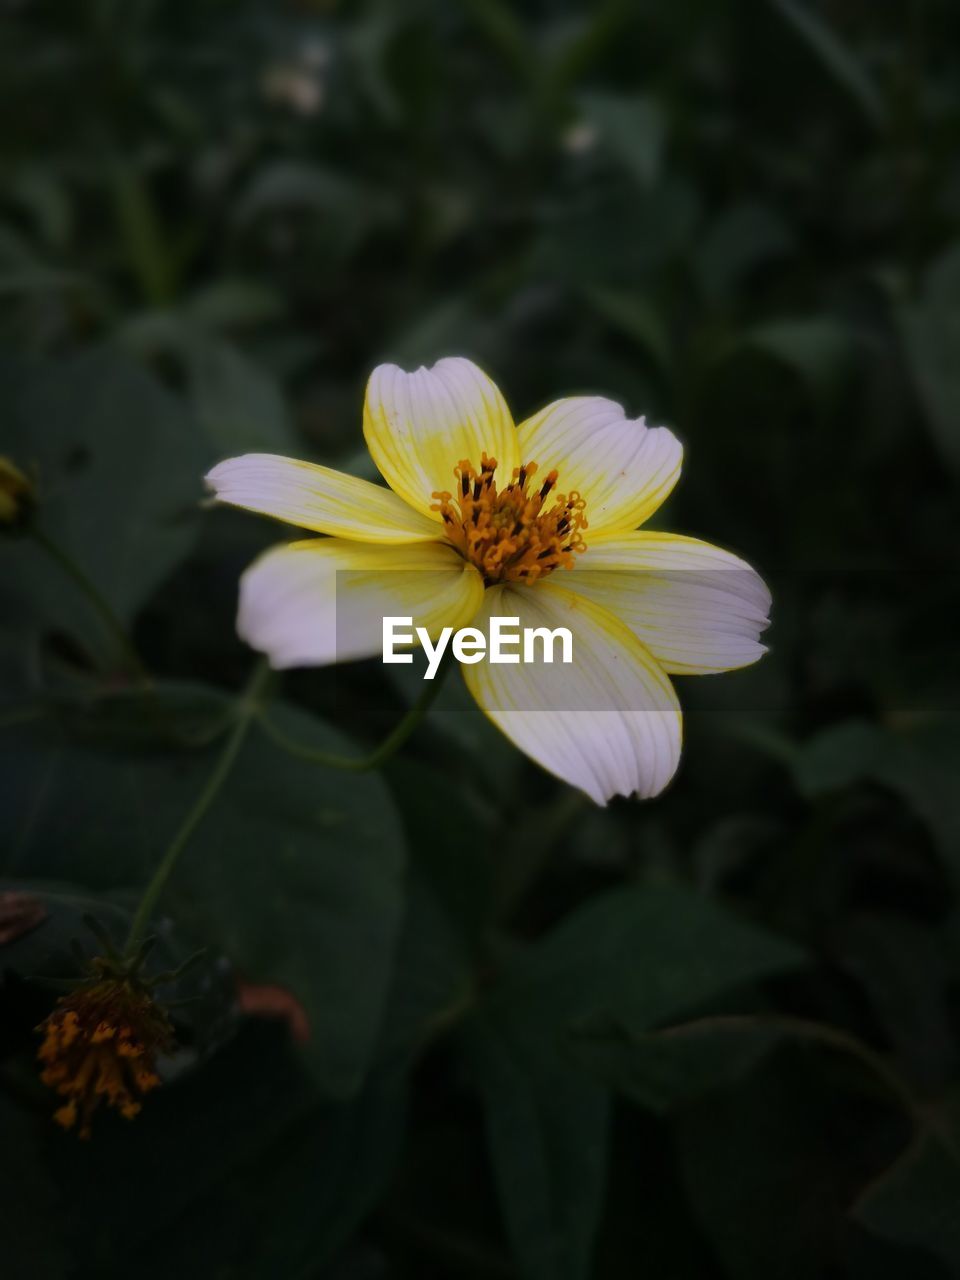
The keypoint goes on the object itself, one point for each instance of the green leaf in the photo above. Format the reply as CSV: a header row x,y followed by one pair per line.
x,y
45,950
917,1201
764,1168
547,1130
493,760
661,1070
447,906
637,319
33,1238
43,195
841,755
942,280
919,764
506,33
202,997
295,873
907,969
286,185
234,303
741,239
642,955
432,977
930,329
286,1211
238,404
631,127
190,1137
835,58
818,350
637,956
118,466
621,239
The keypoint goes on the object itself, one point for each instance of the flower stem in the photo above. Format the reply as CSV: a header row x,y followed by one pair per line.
x,y
247,709
380,754
98,602
806,1029
141,234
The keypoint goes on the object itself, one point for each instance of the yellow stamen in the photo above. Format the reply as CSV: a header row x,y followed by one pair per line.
x,y
511,534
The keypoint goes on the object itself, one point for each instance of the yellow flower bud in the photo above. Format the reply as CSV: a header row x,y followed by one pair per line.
x,y
17,496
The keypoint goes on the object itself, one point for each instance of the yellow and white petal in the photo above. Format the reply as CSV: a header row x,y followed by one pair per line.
x,y
698,609
318,498
313,603
623,468
608,723
419,426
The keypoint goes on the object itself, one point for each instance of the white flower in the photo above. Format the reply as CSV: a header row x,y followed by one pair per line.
x,y
479,518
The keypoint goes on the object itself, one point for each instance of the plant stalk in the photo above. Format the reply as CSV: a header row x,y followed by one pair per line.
x,y
380,754
247,710
97,601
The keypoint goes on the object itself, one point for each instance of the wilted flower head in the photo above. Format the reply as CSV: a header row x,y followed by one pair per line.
x,y
100,1045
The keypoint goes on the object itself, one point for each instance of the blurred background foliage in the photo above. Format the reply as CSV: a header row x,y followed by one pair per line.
x,y
713,1036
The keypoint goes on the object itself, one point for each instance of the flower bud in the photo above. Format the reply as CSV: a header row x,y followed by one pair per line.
x,y
17,496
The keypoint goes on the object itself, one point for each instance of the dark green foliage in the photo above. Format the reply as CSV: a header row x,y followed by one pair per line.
x,y
712,1037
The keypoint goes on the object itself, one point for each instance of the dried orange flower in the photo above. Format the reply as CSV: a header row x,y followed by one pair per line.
x,y
100,1045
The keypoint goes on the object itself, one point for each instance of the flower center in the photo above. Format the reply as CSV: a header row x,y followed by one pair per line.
x,y
515,534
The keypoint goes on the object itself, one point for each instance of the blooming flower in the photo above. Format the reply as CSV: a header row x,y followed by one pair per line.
x,y
479,519
99,1045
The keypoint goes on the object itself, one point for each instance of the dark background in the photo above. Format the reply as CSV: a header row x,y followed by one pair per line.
x,y
712,1036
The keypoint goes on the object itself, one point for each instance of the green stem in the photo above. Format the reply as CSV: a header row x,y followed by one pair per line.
x,y
381,754
140,229
97,601
806,1029
247,710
